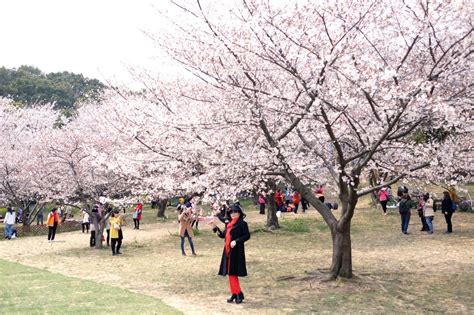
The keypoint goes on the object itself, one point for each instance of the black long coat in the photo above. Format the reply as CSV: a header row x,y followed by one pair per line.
x,y
240,234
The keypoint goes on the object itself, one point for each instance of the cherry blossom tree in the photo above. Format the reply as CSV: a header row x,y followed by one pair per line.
x,y
330,85
21,167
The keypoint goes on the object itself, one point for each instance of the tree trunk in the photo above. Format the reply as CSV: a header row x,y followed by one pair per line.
x,y
162,203
272,219
341,266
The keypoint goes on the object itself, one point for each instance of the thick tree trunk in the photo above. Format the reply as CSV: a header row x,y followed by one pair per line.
x,y
272,219
162,203
99,231
341,266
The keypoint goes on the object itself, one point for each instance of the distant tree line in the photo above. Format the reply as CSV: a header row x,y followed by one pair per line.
x,y
29,86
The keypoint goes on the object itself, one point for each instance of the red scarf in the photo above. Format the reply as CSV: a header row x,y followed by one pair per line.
x,y
227,235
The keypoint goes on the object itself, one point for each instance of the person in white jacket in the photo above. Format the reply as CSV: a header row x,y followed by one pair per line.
x,y
10,218
428,212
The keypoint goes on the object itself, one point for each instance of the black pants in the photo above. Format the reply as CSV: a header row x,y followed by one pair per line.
x,y
39,219
85,226
424,224
262,208
108,237
448,216
197,224
296,208
52,232
384,205
136,222
92,241
116,244
304,205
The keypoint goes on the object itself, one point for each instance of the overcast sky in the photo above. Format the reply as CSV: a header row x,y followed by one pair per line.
x,y
98,38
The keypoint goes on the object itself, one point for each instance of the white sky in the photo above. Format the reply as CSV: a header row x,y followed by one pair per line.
x,y
98,38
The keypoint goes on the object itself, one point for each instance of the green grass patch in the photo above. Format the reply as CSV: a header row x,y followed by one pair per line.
x,y
297,225
27,290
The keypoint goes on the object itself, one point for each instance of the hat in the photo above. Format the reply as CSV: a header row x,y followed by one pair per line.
x,y
237,207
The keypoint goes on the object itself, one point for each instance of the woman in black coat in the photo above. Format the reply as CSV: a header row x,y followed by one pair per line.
x,y
236,233
447,208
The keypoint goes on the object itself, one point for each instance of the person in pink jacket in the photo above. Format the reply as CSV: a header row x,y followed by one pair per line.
x,y
383,198
137,215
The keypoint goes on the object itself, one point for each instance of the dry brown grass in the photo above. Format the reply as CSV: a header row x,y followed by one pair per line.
x,y
395,273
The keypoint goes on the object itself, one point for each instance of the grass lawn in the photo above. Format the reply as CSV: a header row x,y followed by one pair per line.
x,y
27,290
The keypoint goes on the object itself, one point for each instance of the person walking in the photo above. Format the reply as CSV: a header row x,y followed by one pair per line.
x,y
53,222
304,204
9,222
383,198
85,222
428,212
296,201
261,202
115,223
233,264
447,208
40,216
137,215
405,212
185,229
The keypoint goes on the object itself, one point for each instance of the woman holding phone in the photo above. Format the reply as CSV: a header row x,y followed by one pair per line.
x,y
236,233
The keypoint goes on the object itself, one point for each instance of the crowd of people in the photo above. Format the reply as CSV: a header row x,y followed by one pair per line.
x,y
425,205
231,214
289,199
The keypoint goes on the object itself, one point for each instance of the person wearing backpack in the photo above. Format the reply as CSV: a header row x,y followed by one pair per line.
x,y
447,208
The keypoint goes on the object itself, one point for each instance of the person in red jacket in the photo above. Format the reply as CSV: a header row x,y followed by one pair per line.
x,y
261,202
383,198
319,192
279,200
137,215
296,201
53,222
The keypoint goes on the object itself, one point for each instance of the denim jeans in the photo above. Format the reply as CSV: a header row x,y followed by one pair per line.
x,y
429,222
405,221
8,230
